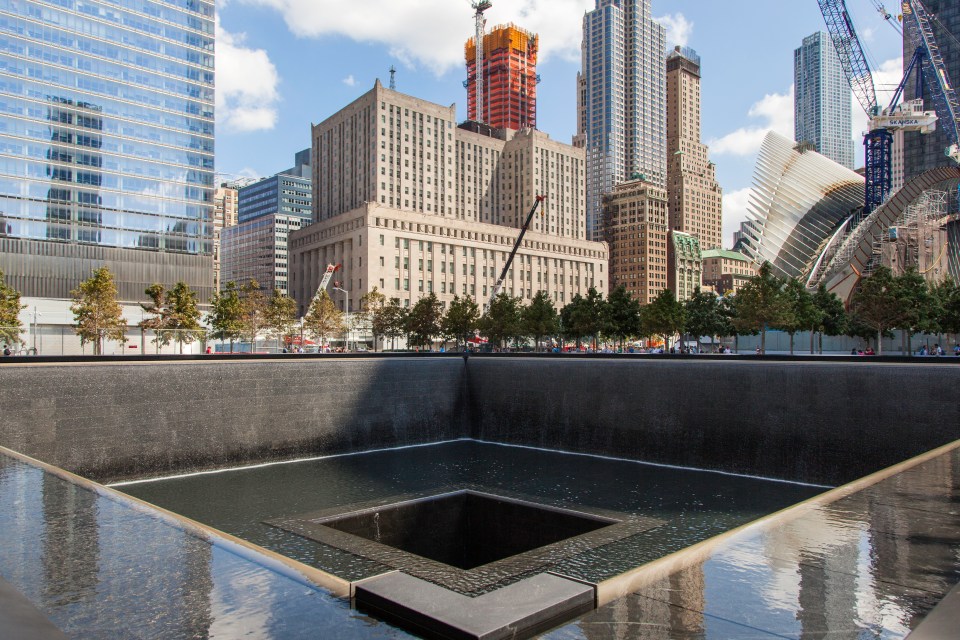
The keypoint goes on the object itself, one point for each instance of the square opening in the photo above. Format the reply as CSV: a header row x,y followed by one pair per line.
x,y
466,529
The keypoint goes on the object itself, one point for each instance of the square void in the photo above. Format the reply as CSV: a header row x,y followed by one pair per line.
x,y
466,529
465,539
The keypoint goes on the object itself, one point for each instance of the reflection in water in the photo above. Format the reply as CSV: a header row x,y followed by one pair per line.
x,y
870,565
97,568
71,549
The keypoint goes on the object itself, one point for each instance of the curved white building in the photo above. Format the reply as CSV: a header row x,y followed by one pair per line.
x,y
800,200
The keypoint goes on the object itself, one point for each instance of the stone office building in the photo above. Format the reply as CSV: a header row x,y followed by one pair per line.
x,y
412,204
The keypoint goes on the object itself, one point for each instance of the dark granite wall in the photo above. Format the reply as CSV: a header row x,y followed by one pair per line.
x,y
117,420
817,421
825,422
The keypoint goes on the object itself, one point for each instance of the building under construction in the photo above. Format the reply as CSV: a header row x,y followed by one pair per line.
x,y
919,238
508,78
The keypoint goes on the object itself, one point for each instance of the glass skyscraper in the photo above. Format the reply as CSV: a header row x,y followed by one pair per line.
x,y
621,98
106,143
821,103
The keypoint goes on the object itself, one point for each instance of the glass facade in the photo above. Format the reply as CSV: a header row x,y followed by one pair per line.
x,y
107,123
622,117
821,104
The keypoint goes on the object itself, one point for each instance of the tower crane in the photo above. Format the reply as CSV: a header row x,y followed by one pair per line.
x,y
918,29
878,141
480,22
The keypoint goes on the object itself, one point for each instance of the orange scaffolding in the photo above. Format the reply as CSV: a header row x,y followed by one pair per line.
x,y
509,78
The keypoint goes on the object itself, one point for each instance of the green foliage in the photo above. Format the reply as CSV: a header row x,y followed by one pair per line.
x,y
501,322
281,315
540,318
461,320
802,313
253,317
704,314
371,313
760,304
622,314
948,294
10,307
832,317
393,319
663,317
159,321
97,313
423,321
877,305
323,318
583,316
226,314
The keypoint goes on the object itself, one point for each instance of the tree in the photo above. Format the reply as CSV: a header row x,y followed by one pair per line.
x,y
917,307
802,313
540,318
96,311
761,304
394,321
323,318
183,314
597,312
663,317
876,304
10,307
949,307
501,322
253,317
832,318
460,321
583,316
226,314
281,315
622,314
423,321
159,317
370,314
704,315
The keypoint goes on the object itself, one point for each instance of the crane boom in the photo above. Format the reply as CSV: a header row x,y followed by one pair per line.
x,y
850,51
516,245
945,102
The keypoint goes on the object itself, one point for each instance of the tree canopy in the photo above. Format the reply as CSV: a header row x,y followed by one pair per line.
x,y
10,326
97,314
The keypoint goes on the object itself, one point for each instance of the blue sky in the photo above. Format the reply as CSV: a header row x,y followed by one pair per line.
x,y
284,64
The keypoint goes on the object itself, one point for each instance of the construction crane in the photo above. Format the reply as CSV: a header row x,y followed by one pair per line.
x,y
324,283
878,141
506,267
480,22
918,29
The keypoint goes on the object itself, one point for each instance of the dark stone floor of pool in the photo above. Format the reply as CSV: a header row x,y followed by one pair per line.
x,y
692,505
870,565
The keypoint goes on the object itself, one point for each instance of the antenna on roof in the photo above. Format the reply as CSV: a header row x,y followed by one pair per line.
x,y
393,77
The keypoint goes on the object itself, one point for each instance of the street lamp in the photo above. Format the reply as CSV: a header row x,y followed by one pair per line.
x,y
346,307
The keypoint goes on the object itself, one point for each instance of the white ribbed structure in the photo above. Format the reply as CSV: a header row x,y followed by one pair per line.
x,y
799,200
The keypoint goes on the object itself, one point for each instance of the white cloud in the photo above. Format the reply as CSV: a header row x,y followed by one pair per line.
x,y
432,32
775,110
350,81
247,81
734,212
678,29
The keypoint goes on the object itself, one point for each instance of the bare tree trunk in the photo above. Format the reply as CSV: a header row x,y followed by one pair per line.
x,y
879,343
812,332
763,340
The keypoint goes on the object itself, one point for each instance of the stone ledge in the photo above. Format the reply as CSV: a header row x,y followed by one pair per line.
x,y
519,610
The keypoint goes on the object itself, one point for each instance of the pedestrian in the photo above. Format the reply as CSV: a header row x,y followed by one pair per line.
x,y
758,350
938,350
6,350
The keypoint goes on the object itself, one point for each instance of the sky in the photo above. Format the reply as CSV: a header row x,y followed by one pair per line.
x,y
283,65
